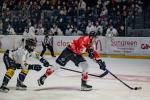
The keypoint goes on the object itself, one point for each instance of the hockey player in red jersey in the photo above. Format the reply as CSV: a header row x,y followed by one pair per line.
x,y
74,52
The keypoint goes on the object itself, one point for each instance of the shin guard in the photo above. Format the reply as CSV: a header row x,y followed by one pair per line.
x,y
85,76
48,72
22,74
8,75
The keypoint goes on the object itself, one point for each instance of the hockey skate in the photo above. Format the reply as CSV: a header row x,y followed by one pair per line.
x,y
41,80
85,86
4,89
20,85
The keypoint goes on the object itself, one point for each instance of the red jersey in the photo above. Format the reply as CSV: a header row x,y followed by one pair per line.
x,y
79,45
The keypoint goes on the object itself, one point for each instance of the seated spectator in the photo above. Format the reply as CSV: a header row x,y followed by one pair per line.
x,y
40,30
32,32
111,32
98,28
10,30
56,30
76,32
81,7
90,27
68,30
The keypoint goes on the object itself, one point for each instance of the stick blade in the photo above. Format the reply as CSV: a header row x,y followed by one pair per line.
x,y
138,88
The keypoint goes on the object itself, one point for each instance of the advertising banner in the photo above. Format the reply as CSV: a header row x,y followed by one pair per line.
x,y
122,45
60,42
104,45
144,46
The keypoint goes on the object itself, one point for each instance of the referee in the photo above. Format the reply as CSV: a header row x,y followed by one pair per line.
x,y
47,43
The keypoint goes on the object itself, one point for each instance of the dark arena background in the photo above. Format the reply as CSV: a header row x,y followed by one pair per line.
x,y
122,30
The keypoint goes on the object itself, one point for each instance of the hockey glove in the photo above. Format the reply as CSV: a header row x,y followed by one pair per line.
x,y
90,53
45,62
101,64
35,67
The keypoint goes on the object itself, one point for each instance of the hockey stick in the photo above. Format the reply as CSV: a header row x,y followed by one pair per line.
x,y
132,88
99,76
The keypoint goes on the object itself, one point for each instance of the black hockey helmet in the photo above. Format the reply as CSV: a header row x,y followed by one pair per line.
x,y
30,44
92,34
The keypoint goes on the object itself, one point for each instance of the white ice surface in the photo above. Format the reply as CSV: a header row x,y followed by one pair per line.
x,y
65,85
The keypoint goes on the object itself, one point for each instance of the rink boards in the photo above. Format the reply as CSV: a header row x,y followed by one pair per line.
x,y
120,47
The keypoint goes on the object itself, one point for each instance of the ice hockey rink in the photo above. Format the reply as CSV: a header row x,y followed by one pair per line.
x,y
65,85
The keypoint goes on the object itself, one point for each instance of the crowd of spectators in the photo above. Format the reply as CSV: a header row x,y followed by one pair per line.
x,y
67,17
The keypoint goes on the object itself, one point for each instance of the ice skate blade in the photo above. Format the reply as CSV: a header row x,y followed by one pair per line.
x,y
4,91
20,88
85,89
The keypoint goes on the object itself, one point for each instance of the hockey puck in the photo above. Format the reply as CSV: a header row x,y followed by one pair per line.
x,y
137,88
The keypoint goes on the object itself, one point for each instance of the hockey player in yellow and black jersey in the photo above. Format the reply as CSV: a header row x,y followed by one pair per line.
x,y
17,59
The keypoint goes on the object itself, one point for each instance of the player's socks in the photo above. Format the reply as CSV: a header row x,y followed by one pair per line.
x,y
84,85
41,80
